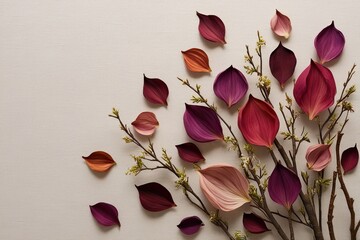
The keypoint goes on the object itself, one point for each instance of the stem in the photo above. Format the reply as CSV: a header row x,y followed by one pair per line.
x,y
331,207
292,236
321,175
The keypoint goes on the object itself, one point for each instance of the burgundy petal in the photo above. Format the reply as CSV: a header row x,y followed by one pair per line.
x,y
349,159
189,152
190,225
329,43
282,64
230,86
253,223
211,28
105,214
155,90
154,197
284,186
202,124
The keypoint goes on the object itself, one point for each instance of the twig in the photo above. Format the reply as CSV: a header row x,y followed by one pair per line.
x,y
331,207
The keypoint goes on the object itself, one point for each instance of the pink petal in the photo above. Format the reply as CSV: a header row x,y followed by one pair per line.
x,y
196,60
349,159
282,64
155,91
189,152
230,86
329,43
105,214
190,225
258,122
253,223
154,197
146,123
224,186
318,157
315,89
202,124
281,25
284,186
211,28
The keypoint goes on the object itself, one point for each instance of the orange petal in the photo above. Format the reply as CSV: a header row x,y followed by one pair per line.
x,y
99,161
145,124
196,60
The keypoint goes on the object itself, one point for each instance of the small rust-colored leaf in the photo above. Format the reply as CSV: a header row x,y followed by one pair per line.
x,y
99,161
196,60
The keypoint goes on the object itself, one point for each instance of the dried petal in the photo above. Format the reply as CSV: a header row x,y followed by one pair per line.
x,y
99,161
281,25
154,197
282,64
258,122
224,186
284,186
315,89
190,225
211,28
230,86
329,43
202,124
318,157
253,223
349,159
196,60
155,91
105,214
145,124
189,152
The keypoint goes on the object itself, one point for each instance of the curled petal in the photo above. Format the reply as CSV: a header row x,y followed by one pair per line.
x,y
155,90
230,86
145,124
349,159
211,28
315,89
190,225
105,214
318,157
202,124
189,152
196,60
258,122
284,186
253,223
154,197
281,25
282,64
99,161
224,186
329,43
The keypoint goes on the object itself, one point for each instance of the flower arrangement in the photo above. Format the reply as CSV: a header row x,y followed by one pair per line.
x,y
278,127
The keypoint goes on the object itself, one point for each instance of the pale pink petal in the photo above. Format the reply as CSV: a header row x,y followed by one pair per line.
x,y
281,25
145,124
318,156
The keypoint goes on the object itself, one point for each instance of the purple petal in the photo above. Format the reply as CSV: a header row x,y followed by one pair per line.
x,y
282,64
189,152
154,197
155,90
202,124
253,223
230,86
105,214
329,43
211,28
284,186
349,159
190,225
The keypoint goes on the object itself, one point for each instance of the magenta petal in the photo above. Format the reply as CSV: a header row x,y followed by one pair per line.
x,y
190,225
284,186
282,64
154,197
349,159
211,28
230,86
329,43
155,90
253,223
189,152
105,214
202,123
